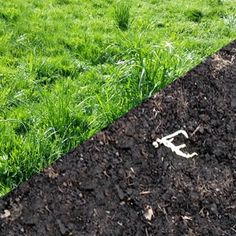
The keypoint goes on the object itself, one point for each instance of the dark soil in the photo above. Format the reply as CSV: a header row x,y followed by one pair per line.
x,y
107,184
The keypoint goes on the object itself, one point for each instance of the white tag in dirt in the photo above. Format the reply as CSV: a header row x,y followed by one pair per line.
x,y
167,141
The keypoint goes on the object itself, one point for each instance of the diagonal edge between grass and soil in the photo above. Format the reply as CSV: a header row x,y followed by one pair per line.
x,y
50,52
23,164
98,185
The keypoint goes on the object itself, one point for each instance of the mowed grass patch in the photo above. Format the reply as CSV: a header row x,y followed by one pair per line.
x,y
68,68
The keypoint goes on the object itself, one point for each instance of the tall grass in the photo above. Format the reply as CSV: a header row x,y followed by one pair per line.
x,y
122,15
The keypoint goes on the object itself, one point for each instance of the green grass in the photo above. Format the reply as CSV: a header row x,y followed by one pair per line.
x,y
122,15
68,68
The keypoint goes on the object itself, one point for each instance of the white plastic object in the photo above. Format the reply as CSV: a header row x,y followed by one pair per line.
x,y
167,141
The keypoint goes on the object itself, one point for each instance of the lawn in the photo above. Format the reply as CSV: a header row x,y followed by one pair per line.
x,y
68,68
